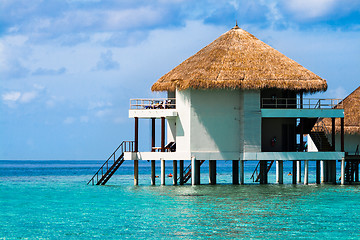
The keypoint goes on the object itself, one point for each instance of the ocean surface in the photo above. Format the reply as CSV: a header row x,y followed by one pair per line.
x,y
50,200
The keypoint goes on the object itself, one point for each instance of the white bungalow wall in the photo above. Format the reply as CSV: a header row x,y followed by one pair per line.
x,y
218,124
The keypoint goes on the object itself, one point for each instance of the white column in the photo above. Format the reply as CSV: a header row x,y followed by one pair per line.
x,y
342,171
175,172
279,172
306,172
298,168
193,171
322,171
242,176
162,171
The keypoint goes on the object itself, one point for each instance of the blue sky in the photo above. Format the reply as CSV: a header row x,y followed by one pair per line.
x,y
69,68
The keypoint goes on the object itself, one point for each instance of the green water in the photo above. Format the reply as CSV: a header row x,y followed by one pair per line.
x,y
57,206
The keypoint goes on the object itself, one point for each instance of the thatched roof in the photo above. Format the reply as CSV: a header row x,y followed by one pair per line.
x,y
238,60
351,105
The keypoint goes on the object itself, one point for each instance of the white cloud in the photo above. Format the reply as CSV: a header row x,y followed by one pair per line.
x,y
69,120
310,8
11,96
338,92
84,119
27,97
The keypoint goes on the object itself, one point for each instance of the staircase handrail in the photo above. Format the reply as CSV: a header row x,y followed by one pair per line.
x,y
320,126
122,145
255,171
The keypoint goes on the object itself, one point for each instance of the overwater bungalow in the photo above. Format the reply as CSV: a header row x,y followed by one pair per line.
x,y
236,99
330,128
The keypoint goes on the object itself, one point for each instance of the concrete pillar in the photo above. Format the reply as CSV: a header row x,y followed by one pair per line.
x,y
318,172
263,172
174,172
280,171
342,171
136,172
212,172
306,172
153,176
235,172
162,171
242,175
298,172
195,173
294,172
181,172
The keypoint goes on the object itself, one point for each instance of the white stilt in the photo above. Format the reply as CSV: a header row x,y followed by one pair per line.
x,y
342,171
162,171
298,168
193,171
322,171
279,172
242,176
175,172
306,172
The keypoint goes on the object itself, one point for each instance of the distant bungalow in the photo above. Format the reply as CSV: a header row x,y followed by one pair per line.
x,y
236,99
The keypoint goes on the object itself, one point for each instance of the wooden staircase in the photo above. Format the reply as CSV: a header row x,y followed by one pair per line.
x,y
321,141
187,172
112,164
257,171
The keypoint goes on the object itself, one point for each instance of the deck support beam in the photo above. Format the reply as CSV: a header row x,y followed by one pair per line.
x,y
294,172
212,172
342,135
181,171
306,172
153,172
263,172
235,172
162,171
195,171
317,172
342,171
175,172
280,171
136,172
242,175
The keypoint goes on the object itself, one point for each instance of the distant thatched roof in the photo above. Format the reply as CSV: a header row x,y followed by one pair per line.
x,y
351,105
238,60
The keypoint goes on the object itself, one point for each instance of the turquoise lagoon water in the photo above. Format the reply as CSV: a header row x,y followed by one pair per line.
x,y
50,200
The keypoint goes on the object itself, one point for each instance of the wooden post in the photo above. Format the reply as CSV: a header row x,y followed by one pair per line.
x,y
301,100
280,171
317,172
136,134
235,172
175,172
342,135
136,172
263,172
333,133
212,172
181,171
294,172
152,134
162,171
153,172
163,134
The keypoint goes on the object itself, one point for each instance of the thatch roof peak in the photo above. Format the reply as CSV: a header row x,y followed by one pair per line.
x,y
351,105
238,60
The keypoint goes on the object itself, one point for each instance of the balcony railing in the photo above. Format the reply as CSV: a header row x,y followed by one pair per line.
x,y
308,103
159,103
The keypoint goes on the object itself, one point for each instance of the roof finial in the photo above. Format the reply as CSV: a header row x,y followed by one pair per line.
x,y
236,26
